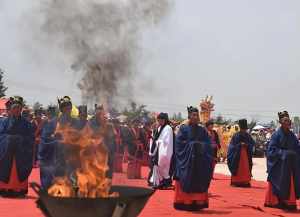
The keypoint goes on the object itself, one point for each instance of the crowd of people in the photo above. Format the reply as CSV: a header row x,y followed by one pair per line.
x,y
182,157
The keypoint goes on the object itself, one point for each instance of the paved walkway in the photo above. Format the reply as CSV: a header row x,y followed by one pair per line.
x,y
258,172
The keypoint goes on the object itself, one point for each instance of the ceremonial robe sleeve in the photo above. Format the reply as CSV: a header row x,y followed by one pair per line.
x,y
193,161
274,152
3,138
165,144
233,155
24,150
47,146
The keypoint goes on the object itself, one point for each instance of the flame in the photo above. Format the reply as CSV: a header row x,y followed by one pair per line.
x,y
61,188
92,154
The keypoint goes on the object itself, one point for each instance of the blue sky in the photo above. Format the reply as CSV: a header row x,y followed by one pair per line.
x,y
246,53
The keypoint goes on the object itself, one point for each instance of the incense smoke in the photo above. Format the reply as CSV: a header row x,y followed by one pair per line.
x,y
101,39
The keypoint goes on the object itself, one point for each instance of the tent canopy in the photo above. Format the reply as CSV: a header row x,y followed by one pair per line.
x,y
259,127
2,105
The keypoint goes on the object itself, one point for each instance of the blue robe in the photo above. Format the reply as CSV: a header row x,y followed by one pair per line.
x,y
234,151
46,153
80,124
283,158
16,142
194,159
109,141
64,152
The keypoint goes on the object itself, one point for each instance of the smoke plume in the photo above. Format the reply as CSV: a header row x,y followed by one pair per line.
x,y
101,39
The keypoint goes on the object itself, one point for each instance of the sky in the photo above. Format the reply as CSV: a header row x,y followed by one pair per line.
x,y
245,53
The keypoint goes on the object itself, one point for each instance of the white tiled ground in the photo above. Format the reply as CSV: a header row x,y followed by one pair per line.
x,y
258,171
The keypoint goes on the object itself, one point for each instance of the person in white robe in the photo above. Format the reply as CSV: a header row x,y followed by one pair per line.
x,y
161,152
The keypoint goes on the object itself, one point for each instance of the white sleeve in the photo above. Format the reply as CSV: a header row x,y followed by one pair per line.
x,y
165,142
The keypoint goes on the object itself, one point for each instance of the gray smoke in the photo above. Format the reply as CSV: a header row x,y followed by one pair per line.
x,y
101,39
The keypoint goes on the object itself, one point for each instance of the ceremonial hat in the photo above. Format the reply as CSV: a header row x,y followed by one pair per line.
x,y
163,116
64,101
14,100
283,115
192,109
210,122
82,109
243,124
99,107
26,112
51,109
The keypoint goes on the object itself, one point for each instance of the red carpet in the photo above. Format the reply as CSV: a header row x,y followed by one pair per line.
x,y
224,201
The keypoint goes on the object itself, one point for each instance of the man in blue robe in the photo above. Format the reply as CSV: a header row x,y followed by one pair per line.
x,y
58,159
66,154
283,162
239,157
16,150
83,117
38,123
100,127
47,147
194,165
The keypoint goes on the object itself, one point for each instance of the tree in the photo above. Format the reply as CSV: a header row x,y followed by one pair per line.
x,y
114,112
177,117
136,111
272,124
3,88
296,124
220,120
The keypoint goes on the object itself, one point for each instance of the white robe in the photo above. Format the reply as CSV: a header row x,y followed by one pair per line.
x,y
165,151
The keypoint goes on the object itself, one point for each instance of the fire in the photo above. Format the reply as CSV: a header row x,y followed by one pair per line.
x,y
61,188
91,155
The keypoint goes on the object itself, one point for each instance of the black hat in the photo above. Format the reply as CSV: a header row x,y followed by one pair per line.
x,y
15,100
99,107
243,124
51,109
83,109
67,97
210,122
163,116
283,114
26,113
64,102
192,109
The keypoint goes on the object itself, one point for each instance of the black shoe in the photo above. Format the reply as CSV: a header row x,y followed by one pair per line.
x,y
165,184
15,194
283,206
286,207
192,207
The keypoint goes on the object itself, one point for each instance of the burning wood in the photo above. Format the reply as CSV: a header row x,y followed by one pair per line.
x,y
91,155
62,188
